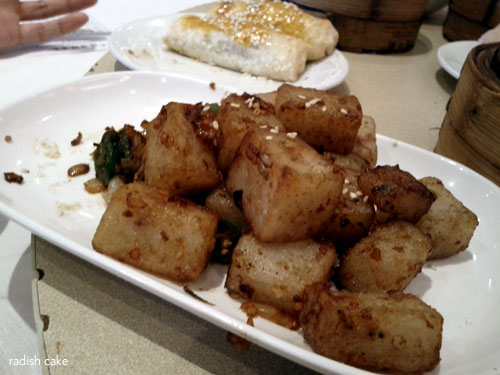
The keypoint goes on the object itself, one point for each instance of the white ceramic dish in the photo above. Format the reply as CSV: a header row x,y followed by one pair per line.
x,y
139,46
465,289
452,56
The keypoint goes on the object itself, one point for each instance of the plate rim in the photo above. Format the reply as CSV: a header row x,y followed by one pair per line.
x,y
219,318
449,46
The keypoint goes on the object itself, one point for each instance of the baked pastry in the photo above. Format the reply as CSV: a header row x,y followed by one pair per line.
x,y
240,46
264,38
319,35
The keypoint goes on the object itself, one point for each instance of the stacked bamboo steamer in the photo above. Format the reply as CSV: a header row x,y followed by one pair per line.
x,y
469,19
470,133
373,25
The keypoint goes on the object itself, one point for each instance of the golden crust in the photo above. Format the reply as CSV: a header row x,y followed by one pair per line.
x,y
177,158
386,260
275,175
448,223
170,238
396,192
396,332
277,274
328,121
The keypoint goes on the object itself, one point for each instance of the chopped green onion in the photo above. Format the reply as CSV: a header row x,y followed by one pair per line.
x,y
214,107
106,156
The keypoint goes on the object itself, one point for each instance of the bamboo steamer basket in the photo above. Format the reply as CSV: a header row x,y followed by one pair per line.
x,y
469,19
470,133
373,25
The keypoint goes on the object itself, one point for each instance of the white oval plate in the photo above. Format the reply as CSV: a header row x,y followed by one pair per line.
x,y
452,56
464,289
139,46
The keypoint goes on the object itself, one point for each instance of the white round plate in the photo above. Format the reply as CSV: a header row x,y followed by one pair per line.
x,y
465,288
139,46
452,56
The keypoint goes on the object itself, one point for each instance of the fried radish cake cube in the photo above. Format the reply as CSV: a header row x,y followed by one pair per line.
x,y
353,217
237,115
364,153
141,227
179,155
377,331
277,273
396,192
448,222
328,121
287,190
238,45
386,260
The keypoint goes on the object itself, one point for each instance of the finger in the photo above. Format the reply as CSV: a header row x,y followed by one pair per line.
x,y
42,31
36,10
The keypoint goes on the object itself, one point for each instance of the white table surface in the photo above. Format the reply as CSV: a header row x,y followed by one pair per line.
x,y
24,73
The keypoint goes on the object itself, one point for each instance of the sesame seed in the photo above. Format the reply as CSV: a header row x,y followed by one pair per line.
x,y
359,193
291,135
235,105
312,102
249,101
275,131
345,190
206,108
365,198
343,110
269,137
215,125
353,195
301,96
324,108
266,160
346,181
263,126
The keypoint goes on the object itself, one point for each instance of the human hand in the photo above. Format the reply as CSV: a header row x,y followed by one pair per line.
x,y
13,34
